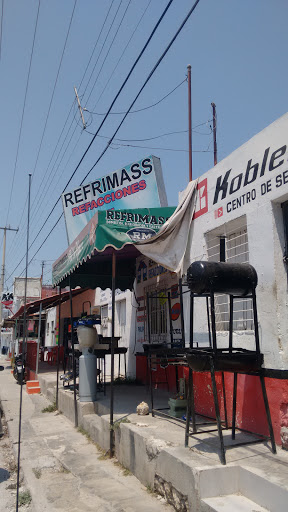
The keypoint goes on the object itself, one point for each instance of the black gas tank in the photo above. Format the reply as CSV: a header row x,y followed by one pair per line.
x,y
231,278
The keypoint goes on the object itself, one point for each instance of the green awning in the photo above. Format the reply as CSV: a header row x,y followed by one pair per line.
x,y
87,261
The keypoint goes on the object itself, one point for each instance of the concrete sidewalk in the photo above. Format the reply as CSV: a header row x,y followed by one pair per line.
x,y
62,469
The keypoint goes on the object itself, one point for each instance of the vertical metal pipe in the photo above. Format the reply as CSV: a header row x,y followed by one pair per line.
x,y
231,324
191,339
214,132
73,357
213,321
148,317
170,319
59,316
112,356
38,341
234,405
182,311
190,121
208,321
256,328
23,346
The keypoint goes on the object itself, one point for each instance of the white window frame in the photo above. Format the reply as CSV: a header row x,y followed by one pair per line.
x,y
235,235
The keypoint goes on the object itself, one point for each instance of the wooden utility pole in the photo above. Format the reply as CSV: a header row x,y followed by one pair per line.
x,y
6,228
80,109
214,132
190,121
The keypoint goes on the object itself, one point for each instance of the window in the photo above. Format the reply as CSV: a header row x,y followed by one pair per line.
x,y
157,313
121,316
104,317
47,329
230,243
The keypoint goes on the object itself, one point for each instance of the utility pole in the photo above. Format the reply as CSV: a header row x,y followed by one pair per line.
x,y
190,121
42,265
80,109
5,229
214,132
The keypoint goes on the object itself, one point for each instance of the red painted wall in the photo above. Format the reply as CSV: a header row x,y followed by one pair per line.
x,y
250,413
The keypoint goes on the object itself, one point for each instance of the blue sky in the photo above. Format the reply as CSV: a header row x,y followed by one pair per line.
x,y
237,51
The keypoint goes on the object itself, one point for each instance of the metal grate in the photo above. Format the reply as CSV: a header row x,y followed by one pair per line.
x,y
157,312
236,251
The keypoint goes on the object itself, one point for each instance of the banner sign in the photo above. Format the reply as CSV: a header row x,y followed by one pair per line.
x,y
110,228
137,184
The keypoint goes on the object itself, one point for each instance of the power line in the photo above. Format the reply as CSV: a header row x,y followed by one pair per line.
x,y
104,60
51,100
102,47
24,105
59,138
162,149
120,124
122,54
95,45
139,109
155,137
143,86
54,87
94,137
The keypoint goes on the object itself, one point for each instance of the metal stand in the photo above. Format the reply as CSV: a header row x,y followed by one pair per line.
x,y
232,360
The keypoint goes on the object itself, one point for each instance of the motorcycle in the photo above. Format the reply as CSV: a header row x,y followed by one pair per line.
x,y
19,370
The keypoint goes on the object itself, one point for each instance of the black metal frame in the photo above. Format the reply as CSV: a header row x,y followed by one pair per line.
x,y
213,355
214,358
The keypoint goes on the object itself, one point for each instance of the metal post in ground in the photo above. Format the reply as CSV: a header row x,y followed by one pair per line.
x,y
23,348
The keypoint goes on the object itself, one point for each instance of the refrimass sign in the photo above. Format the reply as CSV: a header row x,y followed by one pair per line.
x,y
136,185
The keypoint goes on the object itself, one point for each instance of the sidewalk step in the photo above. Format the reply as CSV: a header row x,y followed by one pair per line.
x,y
231,502
32,387
33,391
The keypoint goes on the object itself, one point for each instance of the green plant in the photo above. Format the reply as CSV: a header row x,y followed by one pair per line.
x,y
25,498
125,471
150,489
50,408
117,423
37,472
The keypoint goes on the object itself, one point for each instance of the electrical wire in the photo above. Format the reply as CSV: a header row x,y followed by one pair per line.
x,y
54,88
94,137
95,45
104,60
139,109
162,149
141,89
102,48
152,138
23,109
51,101
123,52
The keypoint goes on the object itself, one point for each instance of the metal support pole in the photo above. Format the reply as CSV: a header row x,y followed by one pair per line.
x,y
214,132
5,229
234,405
112,356
190,121
59,316
73,357
182,311
38,341
23,347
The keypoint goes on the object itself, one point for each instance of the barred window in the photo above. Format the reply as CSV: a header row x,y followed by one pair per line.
x,y
157,313
230,243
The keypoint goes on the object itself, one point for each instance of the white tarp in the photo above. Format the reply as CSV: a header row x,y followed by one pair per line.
x,y
171,246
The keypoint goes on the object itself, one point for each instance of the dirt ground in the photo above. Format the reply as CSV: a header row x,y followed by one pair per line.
x,y
8,478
